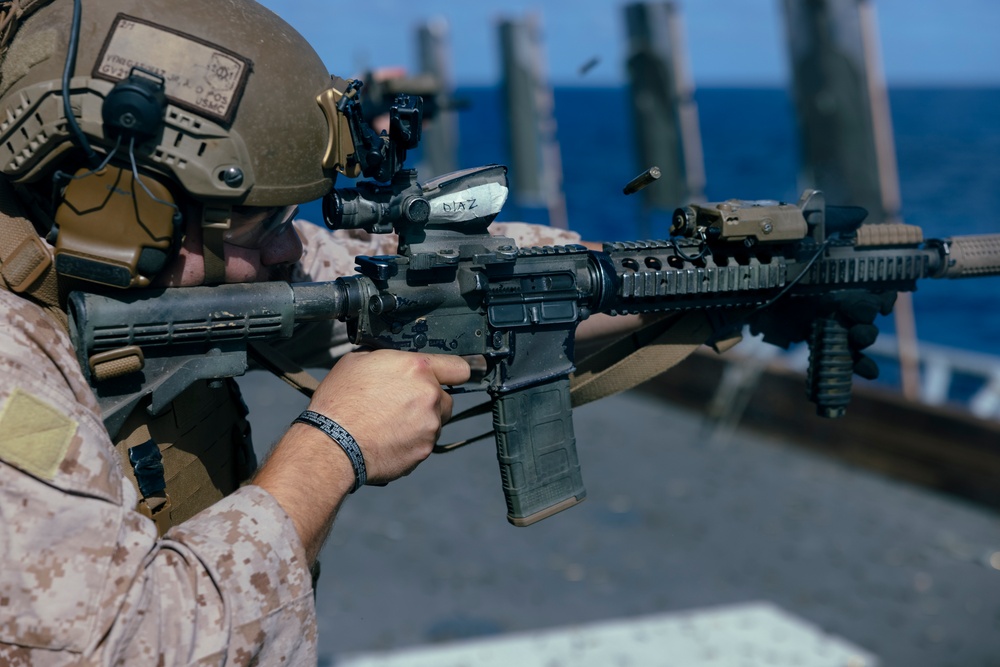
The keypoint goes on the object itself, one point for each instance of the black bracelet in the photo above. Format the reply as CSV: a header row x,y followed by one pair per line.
x,y
339,435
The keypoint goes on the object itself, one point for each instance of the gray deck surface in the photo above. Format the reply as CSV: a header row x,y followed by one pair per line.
x,y
673,522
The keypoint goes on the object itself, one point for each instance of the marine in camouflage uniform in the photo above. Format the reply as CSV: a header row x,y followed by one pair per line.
x,y
205,569
86,577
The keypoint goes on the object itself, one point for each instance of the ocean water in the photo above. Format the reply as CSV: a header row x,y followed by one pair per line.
x,y
948,153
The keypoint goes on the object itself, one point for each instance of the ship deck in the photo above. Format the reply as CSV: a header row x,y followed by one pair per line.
x,y
682,528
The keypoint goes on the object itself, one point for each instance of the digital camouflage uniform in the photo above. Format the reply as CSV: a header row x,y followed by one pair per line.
x,y
85,578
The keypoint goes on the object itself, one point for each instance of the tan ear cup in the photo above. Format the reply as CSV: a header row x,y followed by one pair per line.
x,y
112,230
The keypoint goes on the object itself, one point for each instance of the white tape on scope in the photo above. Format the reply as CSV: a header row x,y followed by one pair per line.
x,y
479,201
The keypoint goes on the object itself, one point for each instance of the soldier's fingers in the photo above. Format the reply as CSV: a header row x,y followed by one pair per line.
x,y
862,335
886,302
863,307
449,370
865,367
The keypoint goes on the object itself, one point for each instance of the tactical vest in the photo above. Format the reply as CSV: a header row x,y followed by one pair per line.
x,y
195,453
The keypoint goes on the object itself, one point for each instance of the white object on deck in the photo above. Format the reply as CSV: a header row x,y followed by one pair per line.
x,y
756,634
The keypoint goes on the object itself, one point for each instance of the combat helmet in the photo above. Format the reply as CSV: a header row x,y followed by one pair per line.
x,y
173,106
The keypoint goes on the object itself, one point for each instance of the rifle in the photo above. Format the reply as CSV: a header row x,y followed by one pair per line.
x,y
453,288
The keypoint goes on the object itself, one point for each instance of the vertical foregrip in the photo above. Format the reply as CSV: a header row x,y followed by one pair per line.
x,y
536,449
831,366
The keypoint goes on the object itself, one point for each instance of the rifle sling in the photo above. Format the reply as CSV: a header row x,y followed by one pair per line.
x,y
638,357
282,366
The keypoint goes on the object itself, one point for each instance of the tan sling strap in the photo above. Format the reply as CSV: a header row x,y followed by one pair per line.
x,y
215,222
651,350
286,369
639,356
26,265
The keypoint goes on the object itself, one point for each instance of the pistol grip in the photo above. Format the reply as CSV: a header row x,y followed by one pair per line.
x,y
536,449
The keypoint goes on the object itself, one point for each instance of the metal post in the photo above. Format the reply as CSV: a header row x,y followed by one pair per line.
x,y
664,112
845,127
535,162
440,141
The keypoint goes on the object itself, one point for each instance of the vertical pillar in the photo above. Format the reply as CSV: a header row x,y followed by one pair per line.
x,y
440,140
664,112
533,149
845,127
839,94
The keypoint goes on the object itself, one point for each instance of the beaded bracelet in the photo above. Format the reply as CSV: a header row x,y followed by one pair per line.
x,y
339,435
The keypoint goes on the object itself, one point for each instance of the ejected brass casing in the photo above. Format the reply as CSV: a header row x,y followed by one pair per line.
x,y
642,180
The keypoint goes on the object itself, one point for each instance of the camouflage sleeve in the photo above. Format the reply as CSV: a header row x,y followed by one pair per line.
x,y
527,235
85,580
328,255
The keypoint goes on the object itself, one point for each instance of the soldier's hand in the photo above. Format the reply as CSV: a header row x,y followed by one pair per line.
x,y
392,403
790,321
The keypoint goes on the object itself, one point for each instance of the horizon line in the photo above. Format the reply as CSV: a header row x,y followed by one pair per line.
x,y
740,83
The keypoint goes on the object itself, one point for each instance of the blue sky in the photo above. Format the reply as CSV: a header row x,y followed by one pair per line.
x,y
953,42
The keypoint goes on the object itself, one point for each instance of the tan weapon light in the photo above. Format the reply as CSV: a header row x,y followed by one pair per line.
x,y
740,220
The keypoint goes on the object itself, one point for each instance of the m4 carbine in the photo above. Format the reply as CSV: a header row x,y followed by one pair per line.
x,y
453,288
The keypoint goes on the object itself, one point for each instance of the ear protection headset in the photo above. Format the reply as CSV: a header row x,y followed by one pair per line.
x,y
115,227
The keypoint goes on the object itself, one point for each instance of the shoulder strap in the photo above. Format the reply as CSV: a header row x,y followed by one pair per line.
x,y
282,366
26,265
